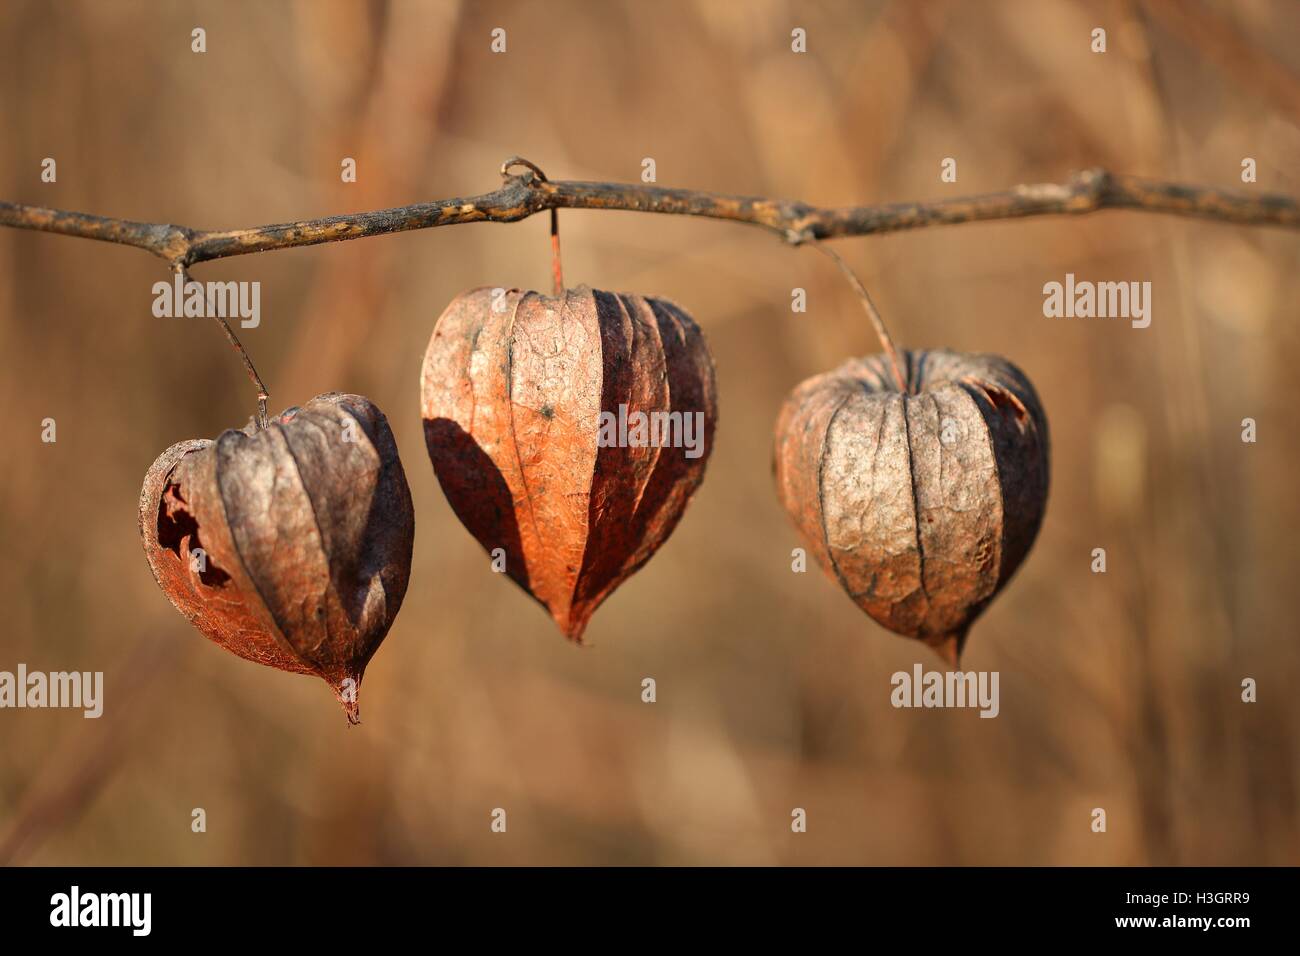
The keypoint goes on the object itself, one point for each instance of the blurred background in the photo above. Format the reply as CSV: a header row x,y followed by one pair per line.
x,y
1118,690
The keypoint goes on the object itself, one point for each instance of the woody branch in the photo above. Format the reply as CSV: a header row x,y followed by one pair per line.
x,y
524,194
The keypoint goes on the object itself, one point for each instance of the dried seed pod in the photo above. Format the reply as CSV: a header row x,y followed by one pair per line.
x,y
290,545
921,505
533,410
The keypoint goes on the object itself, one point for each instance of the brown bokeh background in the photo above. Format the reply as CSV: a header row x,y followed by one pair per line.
x,y
1119,691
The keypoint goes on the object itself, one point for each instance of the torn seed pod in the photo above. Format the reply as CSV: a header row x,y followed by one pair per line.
x,y
568,433
921,505
290,545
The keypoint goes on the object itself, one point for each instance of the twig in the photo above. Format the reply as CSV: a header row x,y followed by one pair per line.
x,y
527,193
524,194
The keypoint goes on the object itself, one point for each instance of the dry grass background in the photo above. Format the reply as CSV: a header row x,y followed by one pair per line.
x,y
1118,690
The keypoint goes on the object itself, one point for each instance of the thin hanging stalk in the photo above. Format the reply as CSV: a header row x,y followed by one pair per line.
x,y
256,379
877,323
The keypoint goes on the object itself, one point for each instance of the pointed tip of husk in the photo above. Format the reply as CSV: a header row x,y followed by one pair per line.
x,y
574,631
348,693
572,625
949,646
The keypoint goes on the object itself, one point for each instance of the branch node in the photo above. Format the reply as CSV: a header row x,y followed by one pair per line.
x,y
1091,183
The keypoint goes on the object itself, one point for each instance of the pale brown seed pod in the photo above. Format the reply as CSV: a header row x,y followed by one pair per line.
x,y
920,504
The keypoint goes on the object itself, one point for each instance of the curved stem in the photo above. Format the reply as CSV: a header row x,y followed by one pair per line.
x,y
882,333
256,379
